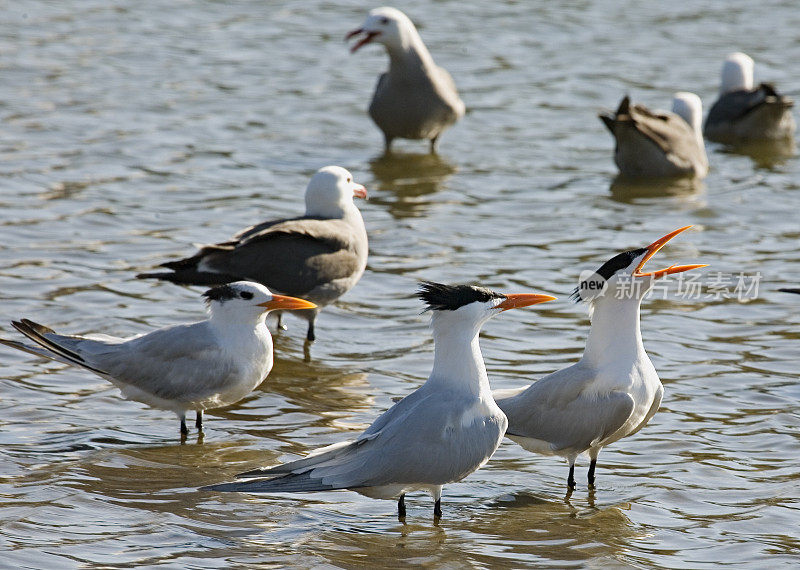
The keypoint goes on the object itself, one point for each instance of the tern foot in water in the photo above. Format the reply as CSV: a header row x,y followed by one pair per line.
x,y
437,510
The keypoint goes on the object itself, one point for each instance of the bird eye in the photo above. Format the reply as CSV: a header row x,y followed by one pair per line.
x,y
384,20
349,180
246,295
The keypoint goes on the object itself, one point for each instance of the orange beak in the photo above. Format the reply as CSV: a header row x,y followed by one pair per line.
x,y
651,251
359,191
523,300
287,303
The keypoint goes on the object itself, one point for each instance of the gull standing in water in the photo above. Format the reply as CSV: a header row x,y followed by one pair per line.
x,y
318,257
199,366
743,113
614,390
438,434
415,98
659,144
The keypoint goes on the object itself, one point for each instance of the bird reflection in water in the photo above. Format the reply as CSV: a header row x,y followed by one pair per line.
x,y
405,179
627,190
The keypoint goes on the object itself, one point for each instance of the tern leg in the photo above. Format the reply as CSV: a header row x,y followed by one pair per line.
x,y
433,144
184,429
310,336
387,144
571,476
592,465
437,506
198,421
401,507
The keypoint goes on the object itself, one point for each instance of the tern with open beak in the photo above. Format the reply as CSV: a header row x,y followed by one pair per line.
x,y
318,257
658,144
438,434
198,366
614,390
415,98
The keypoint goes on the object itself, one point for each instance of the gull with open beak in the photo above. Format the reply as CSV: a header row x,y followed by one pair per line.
x,y
614,390
318,257
440,433
198,366
415,98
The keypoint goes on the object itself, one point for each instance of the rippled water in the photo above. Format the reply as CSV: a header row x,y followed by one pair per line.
x,y
132,130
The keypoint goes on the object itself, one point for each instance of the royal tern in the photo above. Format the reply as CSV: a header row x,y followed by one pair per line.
x,y
415,98
319,256
438,434
659,144
743,113
198,366
614,390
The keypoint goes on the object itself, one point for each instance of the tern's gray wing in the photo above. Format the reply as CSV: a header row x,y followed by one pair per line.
x,y
182,363
424,439
559,410
652,411
293,257
179,363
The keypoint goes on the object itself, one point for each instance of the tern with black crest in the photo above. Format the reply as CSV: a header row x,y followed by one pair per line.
x,y
318,256
440,433
614,390
198,366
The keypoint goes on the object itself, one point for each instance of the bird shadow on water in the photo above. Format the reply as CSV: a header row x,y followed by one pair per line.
x,y
405,179
629,190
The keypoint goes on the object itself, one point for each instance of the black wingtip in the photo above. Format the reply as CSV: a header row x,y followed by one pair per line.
x,y
790,290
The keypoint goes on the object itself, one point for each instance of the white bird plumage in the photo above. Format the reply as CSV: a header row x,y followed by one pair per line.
x,y
440,433
198,366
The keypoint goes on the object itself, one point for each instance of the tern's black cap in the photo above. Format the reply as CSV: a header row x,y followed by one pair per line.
x,y
440,297
222,293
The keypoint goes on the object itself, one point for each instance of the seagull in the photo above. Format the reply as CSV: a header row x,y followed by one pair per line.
x,y
438,434
659,144
610,393
415,98
198,366
743,113
319,256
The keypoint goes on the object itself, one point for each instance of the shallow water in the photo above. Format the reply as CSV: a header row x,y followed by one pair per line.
x,y
132,130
